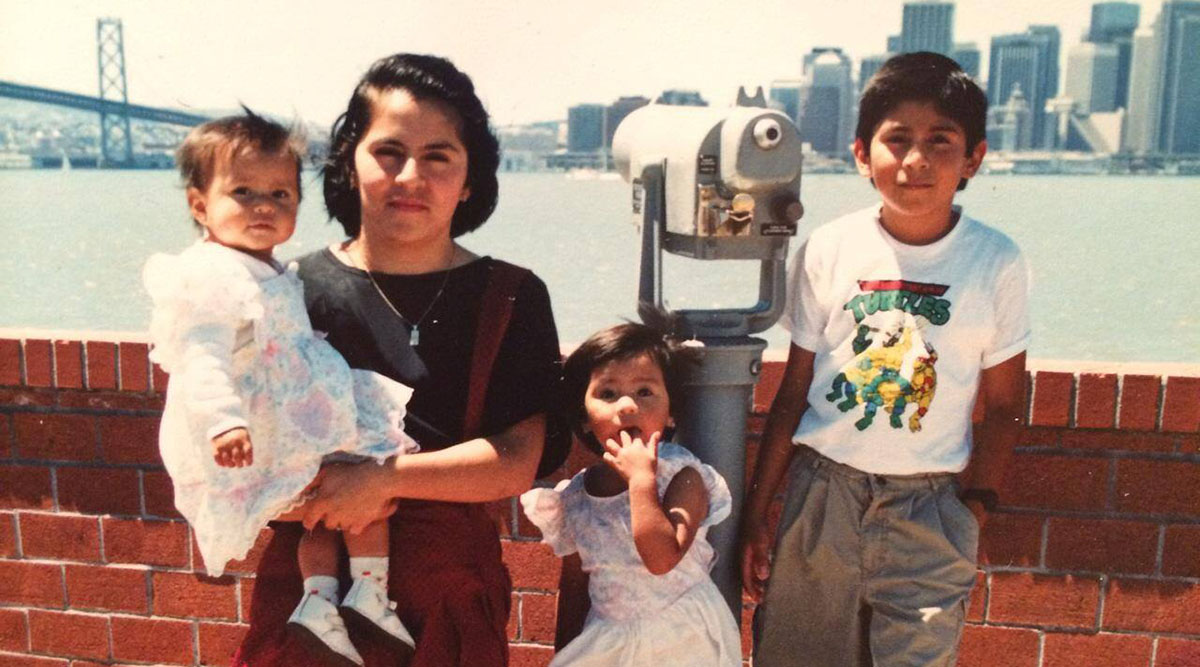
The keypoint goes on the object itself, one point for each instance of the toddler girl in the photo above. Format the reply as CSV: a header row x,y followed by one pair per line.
x,y
256,400
639,519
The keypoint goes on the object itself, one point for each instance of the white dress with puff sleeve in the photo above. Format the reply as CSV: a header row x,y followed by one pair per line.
x,y
233,333
637,618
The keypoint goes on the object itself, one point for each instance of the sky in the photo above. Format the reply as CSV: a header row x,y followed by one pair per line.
x,y
530,59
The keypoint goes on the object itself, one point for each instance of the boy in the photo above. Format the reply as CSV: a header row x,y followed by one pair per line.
x,y
899,315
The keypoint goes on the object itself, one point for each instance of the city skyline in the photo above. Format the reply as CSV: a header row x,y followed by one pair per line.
x,y
302,59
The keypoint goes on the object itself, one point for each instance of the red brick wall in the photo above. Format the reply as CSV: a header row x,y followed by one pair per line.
x,y
1094,558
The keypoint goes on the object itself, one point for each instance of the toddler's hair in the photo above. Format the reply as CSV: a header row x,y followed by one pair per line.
x,y
234,136
924,77
617,343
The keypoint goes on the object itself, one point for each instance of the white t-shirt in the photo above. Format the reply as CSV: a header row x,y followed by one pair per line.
x,y
900,334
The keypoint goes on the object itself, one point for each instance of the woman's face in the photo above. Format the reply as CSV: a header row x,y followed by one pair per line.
x,y
411,170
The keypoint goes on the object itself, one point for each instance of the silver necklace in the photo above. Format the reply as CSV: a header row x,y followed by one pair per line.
x,y
414,328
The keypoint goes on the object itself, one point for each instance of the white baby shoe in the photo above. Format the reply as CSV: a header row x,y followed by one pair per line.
x,y
317,625
368,611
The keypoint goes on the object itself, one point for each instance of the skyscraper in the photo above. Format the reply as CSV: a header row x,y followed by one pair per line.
x,y
585,128
869,66
966,54
1178,32
827,97
1092,77
786,94
1031,60
1145,94
927,26
1114,23
617,111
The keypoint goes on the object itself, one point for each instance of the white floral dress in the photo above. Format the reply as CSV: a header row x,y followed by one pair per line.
x,y
233,333
637,618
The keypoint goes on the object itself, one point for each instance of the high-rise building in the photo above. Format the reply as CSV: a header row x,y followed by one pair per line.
x,y
1114,23
893,44
679,97
966,54
869,66
1145,94
617,111
827,96
785,96
927,26
585,128
1178,32
1092,77
1031,60
1010,126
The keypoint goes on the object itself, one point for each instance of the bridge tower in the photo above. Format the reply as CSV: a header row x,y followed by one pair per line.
x,y
116,140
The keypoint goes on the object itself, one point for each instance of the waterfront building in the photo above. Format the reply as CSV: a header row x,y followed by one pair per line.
x,y
525,147
967,55
869,66
1010,125
1092,77
617,111
1178,32
680,97
1114,23
785,96
826,105
1145,94
1030,60
927,25
585,128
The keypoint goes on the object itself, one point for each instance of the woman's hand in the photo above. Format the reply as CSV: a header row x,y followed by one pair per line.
x,y
350,497
632,458
756,565
232,449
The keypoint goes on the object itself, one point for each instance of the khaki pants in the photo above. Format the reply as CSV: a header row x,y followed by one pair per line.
x,y
867,570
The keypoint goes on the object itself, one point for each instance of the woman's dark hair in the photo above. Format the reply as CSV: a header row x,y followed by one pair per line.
x,y
924,77
425,78
618,343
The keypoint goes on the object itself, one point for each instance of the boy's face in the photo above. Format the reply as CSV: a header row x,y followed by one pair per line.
x,y
250,203
917,157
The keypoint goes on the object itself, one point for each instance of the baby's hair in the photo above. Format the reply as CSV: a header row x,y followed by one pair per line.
x,y
617,343
234,136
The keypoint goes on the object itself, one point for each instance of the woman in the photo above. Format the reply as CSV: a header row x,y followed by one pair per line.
x,y
412,166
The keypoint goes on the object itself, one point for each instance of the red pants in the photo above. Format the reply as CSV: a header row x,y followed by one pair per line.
x,y
445,573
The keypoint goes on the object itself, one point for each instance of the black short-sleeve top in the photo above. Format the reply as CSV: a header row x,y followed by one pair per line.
x,y
343,303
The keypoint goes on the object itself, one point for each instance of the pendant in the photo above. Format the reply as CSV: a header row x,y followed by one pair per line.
x,y
414,336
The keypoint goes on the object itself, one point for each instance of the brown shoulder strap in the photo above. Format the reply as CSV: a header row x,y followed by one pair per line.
x,y
494,314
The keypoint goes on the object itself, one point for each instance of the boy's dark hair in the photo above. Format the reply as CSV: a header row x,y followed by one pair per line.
x,y
425,78
924,77
235,136
617,343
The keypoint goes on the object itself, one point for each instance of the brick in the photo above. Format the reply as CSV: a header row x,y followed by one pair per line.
x,y
513,627
68,364
95,490
247,565
9,660
1034,436
60,437
1139,402
1096,402
140,541
977,599
133,364
246,594
1100,650
194,596
160,495
1177,652
108,400
25,487
31,584
1101,545
218,641
158,379
126,439
1011,540
152,639
538,617
108,588
1181,406
1056,482
101,365
1118,441
768,385
1158,487
1189,444
1052,398
529,655
531,565
39,363
1152,606
60,536
1181,551
14,630
10,362
8,535
69,634
24,397
992,646
1045,600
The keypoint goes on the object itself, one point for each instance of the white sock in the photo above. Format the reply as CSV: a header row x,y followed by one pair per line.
x,y
370,567
323,586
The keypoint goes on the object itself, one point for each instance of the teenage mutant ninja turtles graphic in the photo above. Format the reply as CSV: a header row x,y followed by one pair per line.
x,y
894,366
